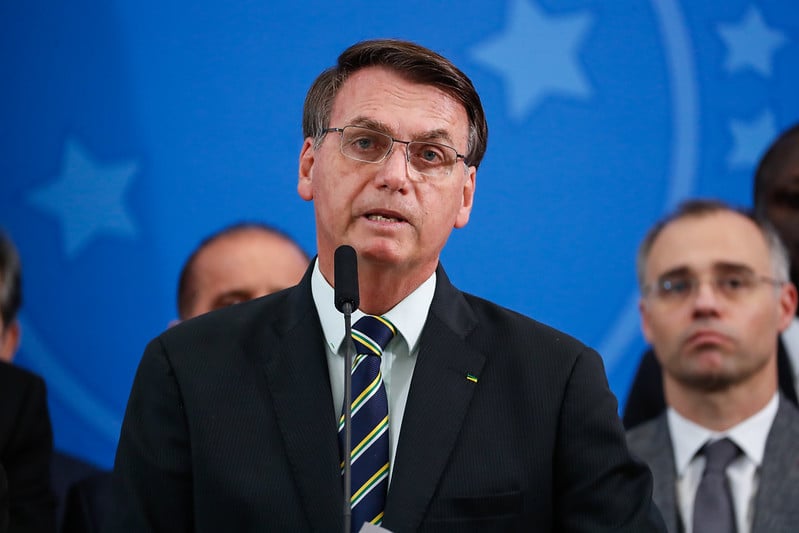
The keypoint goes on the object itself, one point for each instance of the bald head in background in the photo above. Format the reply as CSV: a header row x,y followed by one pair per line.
x,y
237,264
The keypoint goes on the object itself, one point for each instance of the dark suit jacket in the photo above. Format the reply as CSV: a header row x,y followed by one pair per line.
x,y
230,427
87,504
776,509
65,471
646,400
3,500
26,442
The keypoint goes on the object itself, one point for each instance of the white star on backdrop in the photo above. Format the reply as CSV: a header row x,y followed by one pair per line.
x,y
750,139
751,44
88,198
537,55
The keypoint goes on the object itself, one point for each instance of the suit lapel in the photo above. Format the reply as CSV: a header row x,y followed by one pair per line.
x,y
775,503
651,442
295,367
438,402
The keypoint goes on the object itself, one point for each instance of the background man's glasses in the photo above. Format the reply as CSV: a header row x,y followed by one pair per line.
x,y
732,286
429,159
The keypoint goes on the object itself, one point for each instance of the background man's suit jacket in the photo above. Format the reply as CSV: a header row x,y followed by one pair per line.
x,y
776,508
231,426
26,443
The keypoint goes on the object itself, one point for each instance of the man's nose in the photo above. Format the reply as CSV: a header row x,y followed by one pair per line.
x,y
395,170
706,297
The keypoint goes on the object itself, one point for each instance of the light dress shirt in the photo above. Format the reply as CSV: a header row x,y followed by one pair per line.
x,y
743,474
399,356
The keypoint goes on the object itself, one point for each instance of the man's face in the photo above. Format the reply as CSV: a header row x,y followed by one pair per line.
x,y
242,266
9,340
714,336
781,201
394,219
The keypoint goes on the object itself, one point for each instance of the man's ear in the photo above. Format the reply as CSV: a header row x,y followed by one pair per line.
x,y
787,305
644,313
305,182
468,198
10,341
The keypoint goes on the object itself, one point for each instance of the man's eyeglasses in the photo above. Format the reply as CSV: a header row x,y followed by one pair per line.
x,y
675,288
429,159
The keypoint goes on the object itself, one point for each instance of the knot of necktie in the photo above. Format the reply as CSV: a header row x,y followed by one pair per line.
x,y
372,334
719,455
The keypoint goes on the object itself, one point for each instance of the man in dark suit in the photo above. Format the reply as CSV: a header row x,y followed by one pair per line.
x,y
495,422
26,444
776,199
715,295
26,439
64,469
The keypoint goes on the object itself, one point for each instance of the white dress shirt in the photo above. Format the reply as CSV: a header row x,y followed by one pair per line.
x,y
399,356
743,474
790,338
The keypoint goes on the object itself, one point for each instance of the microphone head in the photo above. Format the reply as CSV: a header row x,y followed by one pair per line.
x,y
345,274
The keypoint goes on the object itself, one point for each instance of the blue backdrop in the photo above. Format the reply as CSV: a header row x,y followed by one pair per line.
x,y
129,130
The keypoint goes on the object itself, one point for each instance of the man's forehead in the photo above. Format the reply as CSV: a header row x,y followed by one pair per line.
x,y
709,241
368,93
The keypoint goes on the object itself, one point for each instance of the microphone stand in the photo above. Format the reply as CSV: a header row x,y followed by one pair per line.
x,y
349,348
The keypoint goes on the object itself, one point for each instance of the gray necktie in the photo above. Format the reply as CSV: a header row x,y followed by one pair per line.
x,y
713,508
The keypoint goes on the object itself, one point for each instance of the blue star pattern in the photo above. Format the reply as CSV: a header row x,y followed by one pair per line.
x,y
602,116
751,43
537,55
88,198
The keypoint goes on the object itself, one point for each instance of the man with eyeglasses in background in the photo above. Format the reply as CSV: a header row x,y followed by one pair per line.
x,y
487,420
776,198
715,296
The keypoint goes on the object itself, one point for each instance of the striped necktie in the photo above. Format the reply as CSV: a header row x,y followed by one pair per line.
x,y
369,457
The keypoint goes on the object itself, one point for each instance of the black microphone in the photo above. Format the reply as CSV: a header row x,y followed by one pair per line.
x,y
345,275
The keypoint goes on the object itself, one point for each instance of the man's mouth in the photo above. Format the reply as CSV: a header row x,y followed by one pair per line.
x,y
383,218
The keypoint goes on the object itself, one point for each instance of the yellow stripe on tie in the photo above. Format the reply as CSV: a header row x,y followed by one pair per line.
x,y
472,378
366,341
388,324
368,439
370,483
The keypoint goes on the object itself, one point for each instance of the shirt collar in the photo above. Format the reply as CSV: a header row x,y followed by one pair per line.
x,y
750,435
409,315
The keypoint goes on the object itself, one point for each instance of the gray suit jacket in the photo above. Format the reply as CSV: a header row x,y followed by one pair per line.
x,y
777,499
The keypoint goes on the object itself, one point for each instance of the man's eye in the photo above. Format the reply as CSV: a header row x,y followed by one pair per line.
x,y
675,286
431,154
732,283
363,143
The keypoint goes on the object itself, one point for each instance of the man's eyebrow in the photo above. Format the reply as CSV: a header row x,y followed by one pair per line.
x,y
729,266
676,271
719,266
438,135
